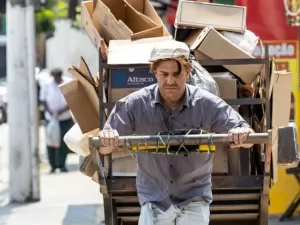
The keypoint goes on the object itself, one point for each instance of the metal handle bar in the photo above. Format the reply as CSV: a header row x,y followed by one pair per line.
x,y
176,140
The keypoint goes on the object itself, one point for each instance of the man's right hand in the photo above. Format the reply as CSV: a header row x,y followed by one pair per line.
x,y
110,139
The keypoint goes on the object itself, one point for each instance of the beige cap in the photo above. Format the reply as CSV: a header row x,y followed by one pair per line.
x,y
168,50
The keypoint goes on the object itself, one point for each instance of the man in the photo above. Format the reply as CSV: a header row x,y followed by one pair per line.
x,y
55,105
173,189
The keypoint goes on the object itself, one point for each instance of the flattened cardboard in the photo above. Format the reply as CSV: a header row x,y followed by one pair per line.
x,y
85,69
85,77
281,104
88,88
281,82
88,24
213,44
117,19
118,50
80,105
201,14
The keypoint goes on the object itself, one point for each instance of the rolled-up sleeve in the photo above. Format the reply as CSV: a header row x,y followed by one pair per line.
x,y
121,118
224,117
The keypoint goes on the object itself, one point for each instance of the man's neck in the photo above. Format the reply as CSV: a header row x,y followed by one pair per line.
x,y
172,105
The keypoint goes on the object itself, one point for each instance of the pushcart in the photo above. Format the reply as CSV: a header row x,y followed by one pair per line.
x,y
240,192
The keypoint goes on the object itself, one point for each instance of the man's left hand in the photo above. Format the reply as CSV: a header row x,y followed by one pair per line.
x,y
237,137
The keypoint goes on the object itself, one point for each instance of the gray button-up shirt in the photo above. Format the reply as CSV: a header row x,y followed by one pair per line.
x,y
173,179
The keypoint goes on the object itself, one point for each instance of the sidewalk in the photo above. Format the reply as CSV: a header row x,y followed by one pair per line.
x,y
66,199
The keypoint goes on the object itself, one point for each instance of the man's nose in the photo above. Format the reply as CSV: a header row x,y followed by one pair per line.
x,y
170,80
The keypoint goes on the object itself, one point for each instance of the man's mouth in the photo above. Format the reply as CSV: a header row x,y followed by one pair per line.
x,y
171,88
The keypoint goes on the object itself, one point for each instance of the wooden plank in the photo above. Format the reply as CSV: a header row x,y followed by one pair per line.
x,y
234,216
236,197
129,209
126,199
213,217
216,197
233,207
218,182
136,209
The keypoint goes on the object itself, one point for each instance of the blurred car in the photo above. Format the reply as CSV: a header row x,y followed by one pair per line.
x,y
3,100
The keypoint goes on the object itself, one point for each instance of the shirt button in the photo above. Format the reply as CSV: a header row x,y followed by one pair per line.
x,y
171,181
171,166
171,196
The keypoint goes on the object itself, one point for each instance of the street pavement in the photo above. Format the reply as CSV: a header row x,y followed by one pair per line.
x,y
66,199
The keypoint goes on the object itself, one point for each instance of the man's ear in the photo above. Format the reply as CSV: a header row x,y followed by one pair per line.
x,y
187,75
154,71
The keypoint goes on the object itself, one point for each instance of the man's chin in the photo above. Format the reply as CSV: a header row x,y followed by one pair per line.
x,y
171,95
171,91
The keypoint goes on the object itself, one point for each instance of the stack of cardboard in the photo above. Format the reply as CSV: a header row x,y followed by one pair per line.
x,y
125,31
116,28
210,26
207,22
120,19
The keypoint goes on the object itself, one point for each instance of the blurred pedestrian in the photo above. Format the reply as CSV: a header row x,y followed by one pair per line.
x,y
55,105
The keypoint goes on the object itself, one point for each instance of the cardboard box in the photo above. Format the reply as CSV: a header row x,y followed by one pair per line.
x,y
213,44
81,105
146,8
118,19
281,85
124,81
281,99
118,50
82,97
227,85
221,17
190,40
88,24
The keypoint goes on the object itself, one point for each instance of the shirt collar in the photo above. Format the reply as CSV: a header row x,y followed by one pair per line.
x,y
185,101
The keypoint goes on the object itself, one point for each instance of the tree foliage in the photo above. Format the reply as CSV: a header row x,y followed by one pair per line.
x,y
45,17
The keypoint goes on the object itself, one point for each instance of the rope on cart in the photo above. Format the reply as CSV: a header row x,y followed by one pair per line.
x,y
163,147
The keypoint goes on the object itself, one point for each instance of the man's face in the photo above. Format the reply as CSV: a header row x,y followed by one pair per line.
x,y
57,79
171,81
